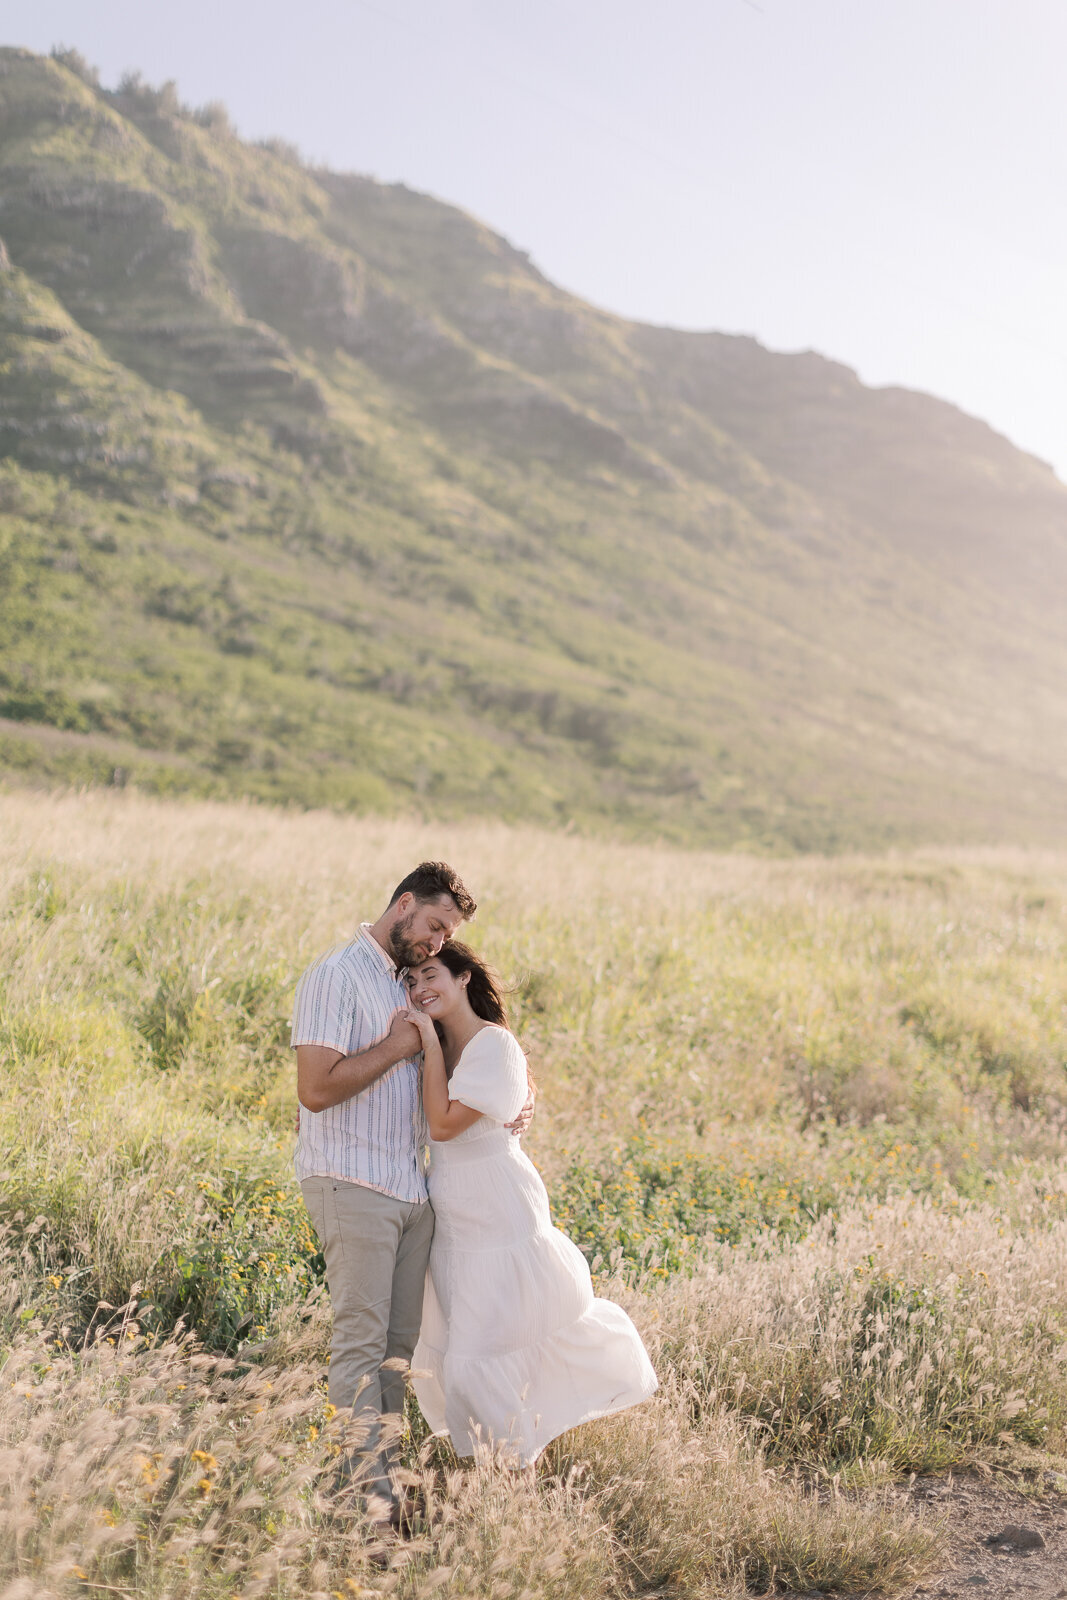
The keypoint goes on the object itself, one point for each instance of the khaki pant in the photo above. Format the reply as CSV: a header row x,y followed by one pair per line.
x,y
376,1250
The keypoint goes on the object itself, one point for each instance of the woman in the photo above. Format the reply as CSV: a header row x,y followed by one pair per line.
x,y
514,1349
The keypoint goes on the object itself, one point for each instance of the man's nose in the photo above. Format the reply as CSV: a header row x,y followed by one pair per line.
x,y
438,943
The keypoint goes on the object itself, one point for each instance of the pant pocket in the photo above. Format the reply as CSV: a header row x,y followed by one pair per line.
x,y
315,1200
332,1213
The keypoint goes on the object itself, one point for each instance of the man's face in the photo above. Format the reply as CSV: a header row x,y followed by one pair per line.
x,y
422,927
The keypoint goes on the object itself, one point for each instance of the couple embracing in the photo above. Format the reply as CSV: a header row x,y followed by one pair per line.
x,y
402,1043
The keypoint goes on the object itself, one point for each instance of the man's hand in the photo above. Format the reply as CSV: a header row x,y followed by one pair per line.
x,y
402,1031
525,1116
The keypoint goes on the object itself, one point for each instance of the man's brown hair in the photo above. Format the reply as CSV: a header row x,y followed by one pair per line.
x,y
430,880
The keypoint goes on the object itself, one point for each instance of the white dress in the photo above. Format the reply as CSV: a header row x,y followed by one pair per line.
x,y
514,1348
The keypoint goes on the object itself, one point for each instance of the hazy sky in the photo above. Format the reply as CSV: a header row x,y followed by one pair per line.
x,y
881,180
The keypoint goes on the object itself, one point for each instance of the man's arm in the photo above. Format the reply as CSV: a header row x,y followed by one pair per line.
x,y
525,1116
325,1077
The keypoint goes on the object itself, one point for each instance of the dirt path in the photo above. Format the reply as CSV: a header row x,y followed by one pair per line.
x,y
1015,1568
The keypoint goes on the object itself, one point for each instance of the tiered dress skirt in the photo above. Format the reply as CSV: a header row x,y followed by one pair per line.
x,y
514,1349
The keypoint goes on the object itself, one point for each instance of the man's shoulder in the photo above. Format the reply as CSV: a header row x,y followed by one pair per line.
x,y
329,995
343,958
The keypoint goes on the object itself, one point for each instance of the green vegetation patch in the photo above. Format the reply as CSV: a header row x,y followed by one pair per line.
x,y
642,1210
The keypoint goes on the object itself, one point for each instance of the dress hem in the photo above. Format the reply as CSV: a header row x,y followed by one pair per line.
x,y
595,1415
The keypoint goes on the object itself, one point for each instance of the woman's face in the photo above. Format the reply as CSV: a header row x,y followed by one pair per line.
x,y
434,990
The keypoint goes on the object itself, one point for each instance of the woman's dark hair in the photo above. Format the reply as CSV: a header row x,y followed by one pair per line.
x,y
485,991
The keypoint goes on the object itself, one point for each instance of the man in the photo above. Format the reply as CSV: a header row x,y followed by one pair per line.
x,y
359,1156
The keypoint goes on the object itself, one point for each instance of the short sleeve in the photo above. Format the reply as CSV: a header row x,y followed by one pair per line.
x,y
490,1076
324,1011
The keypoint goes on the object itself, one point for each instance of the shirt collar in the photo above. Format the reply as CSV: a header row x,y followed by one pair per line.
x,y
383,956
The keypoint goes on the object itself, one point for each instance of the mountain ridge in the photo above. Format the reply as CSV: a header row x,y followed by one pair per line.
x,y
398,523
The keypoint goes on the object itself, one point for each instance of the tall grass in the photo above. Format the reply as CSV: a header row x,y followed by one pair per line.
x,y
806,1119
157,1470
908,1334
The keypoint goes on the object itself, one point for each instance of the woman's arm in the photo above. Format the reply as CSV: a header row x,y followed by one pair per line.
x,y
444,1117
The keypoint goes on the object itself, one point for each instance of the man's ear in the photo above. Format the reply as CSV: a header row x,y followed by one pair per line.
x,y
404,903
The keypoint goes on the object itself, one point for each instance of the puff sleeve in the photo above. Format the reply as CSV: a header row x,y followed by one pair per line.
x,y
490,1076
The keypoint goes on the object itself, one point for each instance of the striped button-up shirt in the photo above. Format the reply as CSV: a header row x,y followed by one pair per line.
x,y
347,1000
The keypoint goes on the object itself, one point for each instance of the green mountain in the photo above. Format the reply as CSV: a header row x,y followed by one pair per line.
x,y
315,489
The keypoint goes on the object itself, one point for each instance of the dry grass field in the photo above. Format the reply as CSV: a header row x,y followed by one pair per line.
x,y
807,1119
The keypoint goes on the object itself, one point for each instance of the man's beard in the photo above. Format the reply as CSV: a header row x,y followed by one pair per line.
x,y
406,954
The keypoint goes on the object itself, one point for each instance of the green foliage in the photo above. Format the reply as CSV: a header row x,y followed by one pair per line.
x,y
75,62
640,1208
191,1017
256,1254
239,1255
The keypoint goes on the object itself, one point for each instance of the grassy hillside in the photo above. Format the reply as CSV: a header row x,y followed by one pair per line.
x,y
313,488
805,1119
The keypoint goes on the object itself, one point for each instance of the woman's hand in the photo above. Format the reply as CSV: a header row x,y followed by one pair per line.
x,y
423,1022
